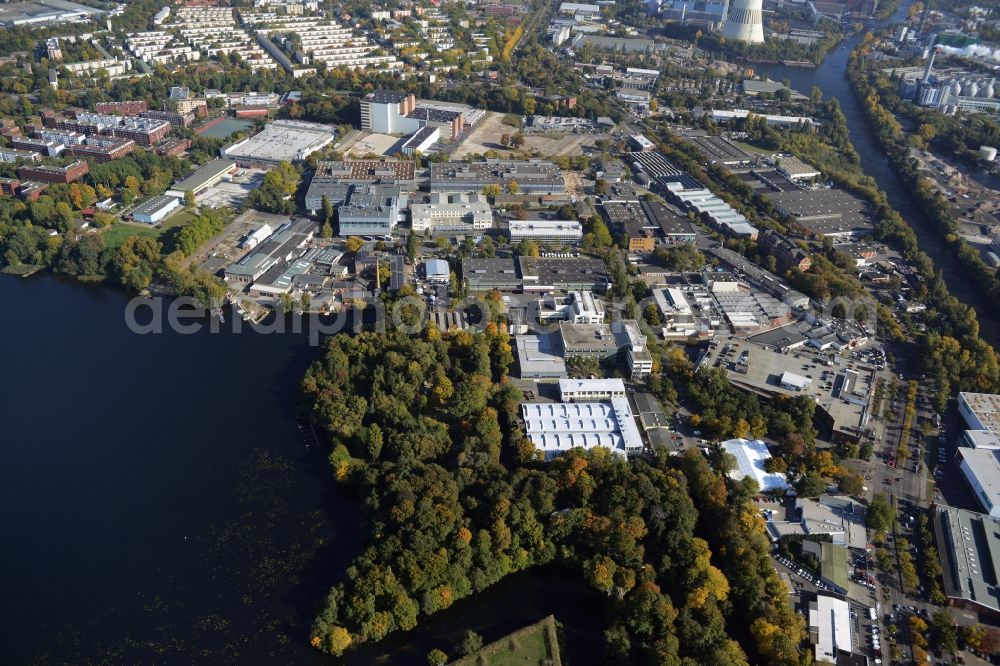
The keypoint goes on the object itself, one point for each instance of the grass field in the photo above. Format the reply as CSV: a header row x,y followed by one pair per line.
x,y
752,149
533,645
116,234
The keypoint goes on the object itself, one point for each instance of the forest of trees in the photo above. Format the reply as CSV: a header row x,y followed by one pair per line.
x,y
424,430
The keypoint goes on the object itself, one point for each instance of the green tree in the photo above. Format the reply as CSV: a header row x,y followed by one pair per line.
x,y
879,515
436,657
189,198
469,643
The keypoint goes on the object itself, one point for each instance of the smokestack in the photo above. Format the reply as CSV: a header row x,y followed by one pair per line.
x,y
930,65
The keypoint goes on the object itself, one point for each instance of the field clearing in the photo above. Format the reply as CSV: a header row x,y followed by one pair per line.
x,y
116,234
486,136
532,645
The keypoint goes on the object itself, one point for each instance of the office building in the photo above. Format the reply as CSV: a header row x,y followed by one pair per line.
x,y
369,209
578,307
457,215
590,390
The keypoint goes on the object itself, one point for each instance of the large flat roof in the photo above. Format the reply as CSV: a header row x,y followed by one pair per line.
x,y
205,174
282,140
539,355
558,427
969,548
830,618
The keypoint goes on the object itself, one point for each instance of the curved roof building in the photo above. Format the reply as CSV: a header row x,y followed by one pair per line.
x,y
745,21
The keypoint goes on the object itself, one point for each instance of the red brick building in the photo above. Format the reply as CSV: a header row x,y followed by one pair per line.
x,y
51,174
8,186
103,148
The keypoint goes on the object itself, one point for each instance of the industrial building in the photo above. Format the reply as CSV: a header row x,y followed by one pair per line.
x,y
280,141
332,179
486,274
556,428
565,273
154,210
981,469
533,176
833,213
829,624
951,93
284,245
713,209
969,548
750,457
437,271
539,356
422,140
388,112
40,12
670,228
545,231
981,411
205,177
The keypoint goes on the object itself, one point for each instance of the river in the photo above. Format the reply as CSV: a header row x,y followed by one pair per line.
x,y
830,77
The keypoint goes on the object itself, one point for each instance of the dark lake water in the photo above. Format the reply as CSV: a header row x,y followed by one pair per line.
x,y
160,505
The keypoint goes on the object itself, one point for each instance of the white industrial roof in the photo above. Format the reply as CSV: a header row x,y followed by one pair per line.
x,y
831,618
558,427
569,386
750,456
437,268
982,467
794,380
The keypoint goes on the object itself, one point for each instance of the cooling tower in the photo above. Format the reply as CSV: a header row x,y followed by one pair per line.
x,y
745,21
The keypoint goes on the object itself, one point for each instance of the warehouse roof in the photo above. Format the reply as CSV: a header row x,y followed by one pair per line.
x,y
205,174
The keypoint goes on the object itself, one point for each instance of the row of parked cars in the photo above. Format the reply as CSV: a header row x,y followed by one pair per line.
x,y
803,572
